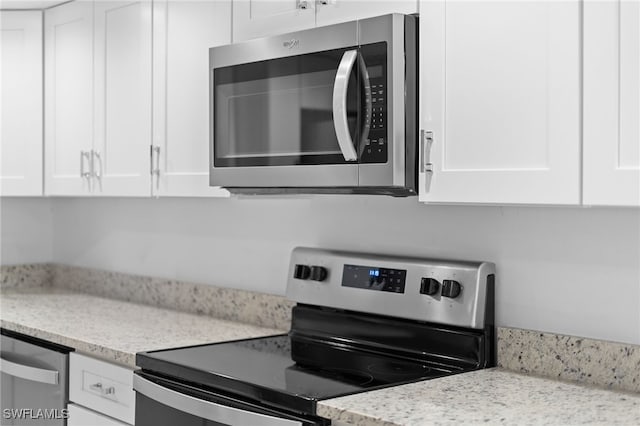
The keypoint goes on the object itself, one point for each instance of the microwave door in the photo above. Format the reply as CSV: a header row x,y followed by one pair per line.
x,y
288,122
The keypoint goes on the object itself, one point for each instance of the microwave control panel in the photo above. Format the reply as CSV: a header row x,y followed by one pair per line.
x,y
375,144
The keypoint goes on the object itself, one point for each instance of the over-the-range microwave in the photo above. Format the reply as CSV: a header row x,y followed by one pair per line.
x,y
326,110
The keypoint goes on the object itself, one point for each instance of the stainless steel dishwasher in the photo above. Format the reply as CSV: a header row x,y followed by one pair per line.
x,y
35,390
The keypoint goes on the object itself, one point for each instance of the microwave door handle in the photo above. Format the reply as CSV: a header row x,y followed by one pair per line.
x,y
340,87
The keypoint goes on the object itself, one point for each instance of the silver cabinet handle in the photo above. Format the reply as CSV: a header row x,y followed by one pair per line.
x,y
98,173
83,173
108,391
39,375
303,4
155,165
205,409
340,87
426,167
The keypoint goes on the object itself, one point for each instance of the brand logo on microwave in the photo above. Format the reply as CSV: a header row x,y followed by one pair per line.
x,y
290,44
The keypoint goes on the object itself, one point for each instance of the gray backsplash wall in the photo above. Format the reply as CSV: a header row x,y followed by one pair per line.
x,y
565,270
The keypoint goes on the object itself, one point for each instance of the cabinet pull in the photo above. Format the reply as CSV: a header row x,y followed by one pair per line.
x,y
96,171
107,392
426,167
155,165
303,4
83,173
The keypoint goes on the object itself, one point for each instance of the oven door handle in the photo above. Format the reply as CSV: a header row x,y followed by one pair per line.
x,y
26,372
340,87
205,409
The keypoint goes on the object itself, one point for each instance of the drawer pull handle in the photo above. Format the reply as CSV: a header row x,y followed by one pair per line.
x,y
108,391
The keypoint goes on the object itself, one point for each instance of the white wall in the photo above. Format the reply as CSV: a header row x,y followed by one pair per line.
x,y
565,270
26,233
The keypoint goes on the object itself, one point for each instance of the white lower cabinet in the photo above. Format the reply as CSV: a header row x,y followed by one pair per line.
x,y
101,387
21,110
79,416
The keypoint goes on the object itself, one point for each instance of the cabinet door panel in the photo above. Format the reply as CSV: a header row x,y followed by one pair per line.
x,y
500,86
68,96
183,33
260,18
122,136
612,103
336,11
21,94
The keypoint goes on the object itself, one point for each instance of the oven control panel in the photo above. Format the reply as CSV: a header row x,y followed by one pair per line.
x,y
447,292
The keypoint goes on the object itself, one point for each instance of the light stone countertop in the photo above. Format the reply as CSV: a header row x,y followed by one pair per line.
x,y
112,329
487,397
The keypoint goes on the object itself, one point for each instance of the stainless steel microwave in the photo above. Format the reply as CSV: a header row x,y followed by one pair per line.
x,y
326,110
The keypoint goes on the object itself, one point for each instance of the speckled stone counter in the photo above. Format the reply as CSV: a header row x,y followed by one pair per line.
x,y
488,397
112,329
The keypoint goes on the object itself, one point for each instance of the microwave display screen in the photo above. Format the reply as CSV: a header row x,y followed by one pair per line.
x,y
375,71
374,278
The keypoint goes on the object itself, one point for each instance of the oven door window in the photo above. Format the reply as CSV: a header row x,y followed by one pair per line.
x,y
280,112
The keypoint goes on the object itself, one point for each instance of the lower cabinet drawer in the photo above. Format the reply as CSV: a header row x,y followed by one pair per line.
x,y
79,416
101,386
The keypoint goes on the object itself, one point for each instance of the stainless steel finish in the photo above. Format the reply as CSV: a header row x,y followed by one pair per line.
x,y
83,173
282,176
155,165
340,105
108,392
426,167
33,376
396,177
336,36
390,29
467,310
205,409
26,372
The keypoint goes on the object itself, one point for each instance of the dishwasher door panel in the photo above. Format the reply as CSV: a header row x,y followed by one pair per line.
x,y
34,383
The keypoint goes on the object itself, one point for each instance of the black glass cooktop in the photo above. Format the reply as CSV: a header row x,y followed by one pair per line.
x,y
264,370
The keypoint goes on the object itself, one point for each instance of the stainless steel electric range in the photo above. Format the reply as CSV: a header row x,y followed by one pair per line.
x,y
361,322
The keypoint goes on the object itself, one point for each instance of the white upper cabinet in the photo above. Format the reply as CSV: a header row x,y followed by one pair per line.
x,y
122,97
260,18
334,11
183,33
500,90
98,98
21,94
68,33
612,103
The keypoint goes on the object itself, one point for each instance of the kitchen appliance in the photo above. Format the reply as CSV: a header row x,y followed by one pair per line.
x,y
34,380
326,110
362,322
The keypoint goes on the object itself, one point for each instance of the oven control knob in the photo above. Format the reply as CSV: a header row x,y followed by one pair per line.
x,y
429,286
318,273
451,288
301,272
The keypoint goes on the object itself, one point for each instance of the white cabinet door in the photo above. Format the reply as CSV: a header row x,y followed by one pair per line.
x,y
260,18
122,136
21,94
500,90
335,11
183,33
68,114
612,103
